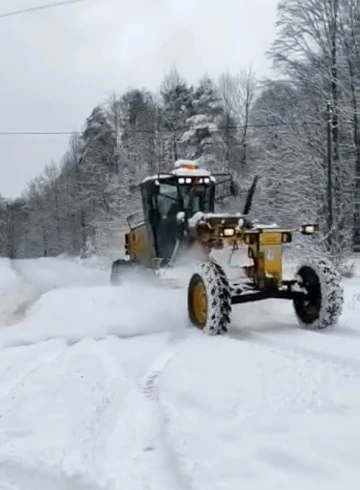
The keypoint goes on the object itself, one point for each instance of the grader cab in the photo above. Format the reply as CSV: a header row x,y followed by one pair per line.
x,y
179,216
169,199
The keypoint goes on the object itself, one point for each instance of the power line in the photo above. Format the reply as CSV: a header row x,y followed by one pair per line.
x,y
112,131
39,7
41,133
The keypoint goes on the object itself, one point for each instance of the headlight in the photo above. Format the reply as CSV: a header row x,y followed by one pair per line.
x,y
309,229
229,231
183,180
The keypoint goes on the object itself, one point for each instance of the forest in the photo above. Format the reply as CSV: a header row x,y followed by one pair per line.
x,y
286,129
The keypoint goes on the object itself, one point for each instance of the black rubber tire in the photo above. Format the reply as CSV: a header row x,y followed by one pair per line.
x,y
218,293
322,283
118,267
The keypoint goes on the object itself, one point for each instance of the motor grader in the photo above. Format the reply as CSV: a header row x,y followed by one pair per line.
x,y
179,219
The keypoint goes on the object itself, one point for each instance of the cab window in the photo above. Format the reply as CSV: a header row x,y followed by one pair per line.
x,y
168,196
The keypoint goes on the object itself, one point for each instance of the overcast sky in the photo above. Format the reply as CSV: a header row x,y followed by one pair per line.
x,y
56,65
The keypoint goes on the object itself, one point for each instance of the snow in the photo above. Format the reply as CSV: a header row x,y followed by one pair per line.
x,y
196,172
262,226
13,291
181,170
107,388
180,217
68,306
195,219
199,216
181,163
278,421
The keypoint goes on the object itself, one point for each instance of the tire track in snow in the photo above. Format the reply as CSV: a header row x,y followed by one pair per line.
x,y
150,379
92,438
150,390
17,476
47,357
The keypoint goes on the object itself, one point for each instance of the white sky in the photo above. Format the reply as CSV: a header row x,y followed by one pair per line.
x,y
56,65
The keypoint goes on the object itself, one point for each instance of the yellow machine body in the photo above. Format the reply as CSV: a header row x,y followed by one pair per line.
x,y
202,232
264,245
137,245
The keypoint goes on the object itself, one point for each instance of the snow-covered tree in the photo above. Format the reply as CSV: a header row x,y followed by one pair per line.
x,y
237,93
203,139
176,107
307,50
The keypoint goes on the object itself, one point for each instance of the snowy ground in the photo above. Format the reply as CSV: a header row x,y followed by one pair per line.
x,y
106,388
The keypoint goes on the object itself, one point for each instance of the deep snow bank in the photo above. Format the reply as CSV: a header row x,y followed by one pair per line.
x,y
45,274
23,282
76,313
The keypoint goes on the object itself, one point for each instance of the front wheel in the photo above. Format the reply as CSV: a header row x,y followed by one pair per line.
x,y
324,297
209,299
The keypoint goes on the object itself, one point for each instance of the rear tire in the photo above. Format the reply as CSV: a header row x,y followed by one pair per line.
x,y
325,296
117,269
209,299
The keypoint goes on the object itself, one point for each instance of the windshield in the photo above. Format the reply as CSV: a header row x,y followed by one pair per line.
x,y
174,198
195,198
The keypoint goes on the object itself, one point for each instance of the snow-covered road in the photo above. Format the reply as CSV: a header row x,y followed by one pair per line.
x,y
106,388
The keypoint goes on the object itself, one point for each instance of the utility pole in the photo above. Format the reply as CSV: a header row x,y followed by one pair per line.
x,y
175,148
329,174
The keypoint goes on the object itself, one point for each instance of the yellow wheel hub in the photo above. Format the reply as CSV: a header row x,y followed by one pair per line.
x,y
200,304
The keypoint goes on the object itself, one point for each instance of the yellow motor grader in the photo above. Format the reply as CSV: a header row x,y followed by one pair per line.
x,y
179,219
